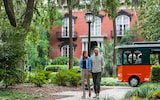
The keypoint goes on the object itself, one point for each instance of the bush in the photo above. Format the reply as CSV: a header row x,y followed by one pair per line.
x,y
55,68
109,81
10,76
27,77
154,95
51,79
38,78
67,78
142,91
64,61
156,73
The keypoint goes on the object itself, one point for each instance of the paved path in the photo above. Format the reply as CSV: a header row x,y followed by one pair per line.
x,y
116,92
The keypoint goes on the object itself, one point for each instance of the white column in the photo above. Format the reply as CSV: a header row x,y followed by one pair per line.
x,y
86,46
82,46
98,44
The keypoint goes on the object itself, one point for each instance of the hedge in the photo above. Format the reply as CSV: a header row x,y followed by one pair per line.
x,y
156,73
55,68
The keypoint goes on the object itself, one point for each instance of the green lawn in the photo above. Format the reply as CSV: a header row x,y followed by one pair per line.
x,y
10,95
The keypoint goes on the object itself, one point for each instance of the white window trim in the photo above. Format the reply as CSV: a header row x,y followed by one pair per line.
x,y
122,23
94,29
67,55
67,25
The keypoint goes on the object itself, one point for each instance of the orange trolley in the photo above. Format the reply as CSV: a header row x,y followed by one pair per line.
x,y
133,62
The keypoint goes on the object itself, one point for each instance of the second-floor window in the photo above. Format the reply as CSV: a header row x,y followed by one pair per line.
x,y
122,23
65,27
96,27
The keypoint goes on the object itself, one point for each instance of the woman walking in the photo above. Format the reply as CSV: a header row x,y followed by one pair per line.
x,y
85,65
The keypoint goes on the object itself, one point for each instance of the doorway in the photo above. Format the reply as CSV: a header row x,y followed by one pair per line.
x,y
93,45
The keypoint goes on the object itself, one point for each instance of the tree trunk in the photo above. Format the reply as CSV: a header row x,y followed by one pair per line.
x,y
28,14
70,35
10,11
115,51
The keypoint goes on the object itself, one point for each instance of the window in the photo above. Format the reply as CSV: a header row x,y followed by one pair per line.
x,y
65,27
122,23
96,27
134,57
65,51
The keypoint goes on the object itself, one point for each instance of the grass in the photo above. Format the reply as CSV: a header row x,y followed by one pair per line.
x,y
10,95
110,81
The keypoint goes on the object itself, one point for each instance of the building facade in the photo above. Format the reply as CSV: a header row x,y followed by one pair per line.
x,y
101,30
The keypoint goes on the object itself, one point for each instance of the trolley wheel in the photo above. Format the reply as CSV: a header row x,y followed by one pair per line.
x,y
134,81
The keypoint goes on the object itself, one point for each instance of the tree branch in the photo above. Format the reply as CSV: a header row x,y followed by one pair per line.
x,y
28,14
10,11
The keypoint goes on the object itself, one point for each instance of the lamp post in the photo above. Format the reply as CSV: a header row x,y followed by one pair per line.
x,y
89,18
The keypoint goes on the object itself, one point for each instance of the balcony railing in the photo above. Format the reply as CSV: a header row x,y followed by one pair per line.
x,y
119,33
65,37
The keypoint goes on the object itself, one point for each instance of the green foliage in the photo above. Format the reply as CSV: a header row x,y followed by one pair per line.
x,y
112,82
129,37
12,95
154,95
111,8
67,78
143,90
155,73
11,54
37,41
51,79
11,75
107,52
148,23
64,60
27,77
38,78
55,68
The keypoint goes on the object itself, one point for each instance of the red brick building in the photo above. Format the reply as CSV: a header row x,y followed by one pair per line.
x,y
101,30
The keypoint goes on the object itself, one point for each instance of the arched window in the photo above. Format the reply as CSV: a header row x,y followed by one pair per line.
x,y
96,27
65,51
122,23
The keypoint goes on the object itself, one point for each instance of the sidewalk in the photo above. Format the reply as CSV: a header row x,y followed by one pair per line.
x,y
116,92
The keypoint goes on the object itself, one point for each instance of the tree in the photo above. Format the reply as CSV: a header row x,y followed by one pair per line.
x,y
111,8
8,4
13,33
107,52
70,5
38,38
148,18
148,25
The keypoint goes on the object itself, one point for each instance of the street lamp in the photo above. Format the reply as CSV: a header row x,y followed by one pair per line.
x,y
89,18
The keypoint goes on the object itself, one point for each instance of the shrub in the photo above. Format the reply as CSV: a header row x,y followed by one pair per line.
x,y
112,82
11,76
154,95
67,78
27,77
51,78
38,78
142,91
155,73
64,61
55,68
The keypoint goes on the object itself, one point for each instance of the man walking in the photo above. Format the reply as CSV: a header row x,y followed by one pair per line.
x,y
97,67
